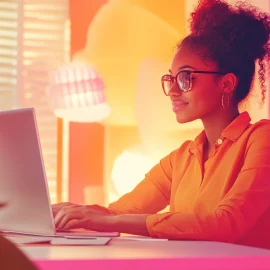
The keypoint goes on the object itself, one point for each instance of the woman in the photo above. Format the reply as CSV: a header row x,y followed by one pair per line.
x,y
217,186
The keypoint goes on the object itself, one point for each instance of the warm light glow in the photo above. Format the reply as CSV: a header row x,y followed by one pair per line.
x,y
118,54
129,169
94,114
158,128
77,94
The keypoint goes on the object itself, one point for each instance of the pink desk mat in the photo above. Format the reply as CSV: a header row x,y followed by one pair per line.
x,y
246,263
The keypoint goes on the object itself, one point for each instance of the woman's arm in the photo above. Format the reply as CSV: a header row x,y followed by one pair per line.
x,y
240,209
148,197
235,215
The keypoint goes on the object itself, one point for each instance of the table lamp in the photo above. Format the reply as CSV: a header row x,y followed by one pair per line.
x,y
76,93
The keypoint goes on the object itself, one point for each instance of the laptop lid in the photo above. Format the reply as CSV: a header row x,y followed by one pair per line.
x,y
23,183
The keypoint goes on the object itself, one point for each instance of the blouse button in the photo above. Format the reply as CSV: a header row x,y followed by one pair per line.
x,y
219,141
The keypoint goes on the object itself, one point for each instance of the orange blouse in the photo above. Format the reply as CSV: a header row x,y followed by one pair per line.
x,y
227,199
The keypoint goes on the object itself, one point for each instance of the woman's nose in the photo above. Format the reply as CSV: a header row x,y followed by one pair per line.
x,y
174,91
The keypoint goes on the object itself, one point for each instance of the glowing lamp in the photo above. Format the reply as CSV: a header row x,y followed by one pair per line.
x,y
77,94
129,169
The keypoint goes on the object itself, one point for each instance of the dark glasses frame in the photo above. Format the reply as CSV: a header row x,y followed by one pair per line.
x,y
165,77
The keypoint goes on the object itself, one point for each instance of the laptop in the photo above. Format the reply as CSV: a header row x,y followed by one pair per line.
x,y
23,183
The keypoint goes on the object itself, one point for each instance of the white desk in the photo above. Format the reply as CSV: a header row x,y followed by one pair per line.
x,y
139,255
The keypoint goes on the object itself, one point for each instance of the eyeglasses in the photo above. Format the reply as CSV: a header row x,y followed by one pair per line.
x,y
183,79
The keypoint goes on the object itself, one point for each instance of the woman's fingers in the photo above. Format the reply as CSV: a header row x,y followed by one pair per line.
x,y
77,212
58,206
62,213
66,218
78,223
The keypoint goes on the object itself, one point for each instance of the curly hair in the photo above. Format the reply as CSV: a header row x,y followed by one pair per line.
x,y
234,37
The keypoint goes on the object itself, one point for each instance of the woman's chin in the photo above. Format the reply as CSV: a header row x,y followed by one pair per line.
x,y
183,119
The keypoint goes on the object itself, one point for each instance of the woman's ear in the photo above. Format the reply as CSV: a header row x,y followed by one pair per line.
x,y
229,83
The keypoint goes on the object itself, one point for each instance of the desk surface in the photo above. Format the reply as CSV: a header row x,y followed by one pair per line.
x,y
128,249
122,253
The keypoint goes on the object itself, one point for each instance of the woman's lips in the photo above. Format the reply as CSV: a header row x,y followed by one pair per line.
x,y
178,105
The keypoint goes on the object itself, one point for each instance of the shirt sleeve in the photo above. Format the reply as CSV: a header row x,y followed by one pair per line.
x,y
240,209
151,195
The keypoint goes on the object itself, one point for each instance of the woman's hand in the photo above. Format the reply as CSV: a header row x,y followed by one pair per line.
x,y
58,206
98,218
91,217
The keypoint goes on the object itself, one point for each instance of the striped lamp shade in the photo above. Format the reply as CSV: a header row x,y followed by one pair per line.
x,y
77,94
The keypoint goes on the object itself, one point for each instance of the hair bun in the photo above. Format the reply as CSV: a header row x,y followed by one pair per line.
x,y
208,15
241,30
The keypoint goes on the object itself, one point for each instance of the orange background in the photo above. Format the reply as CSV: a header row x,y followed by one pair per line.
x,y
95,146
86,151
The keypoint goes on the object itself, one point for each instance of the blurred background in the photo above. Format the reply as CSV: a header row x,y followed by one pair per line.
x,y
91,69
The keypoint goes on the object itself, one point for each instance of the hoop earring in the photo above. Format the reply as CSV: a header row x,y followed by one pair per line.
x,y
223,103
